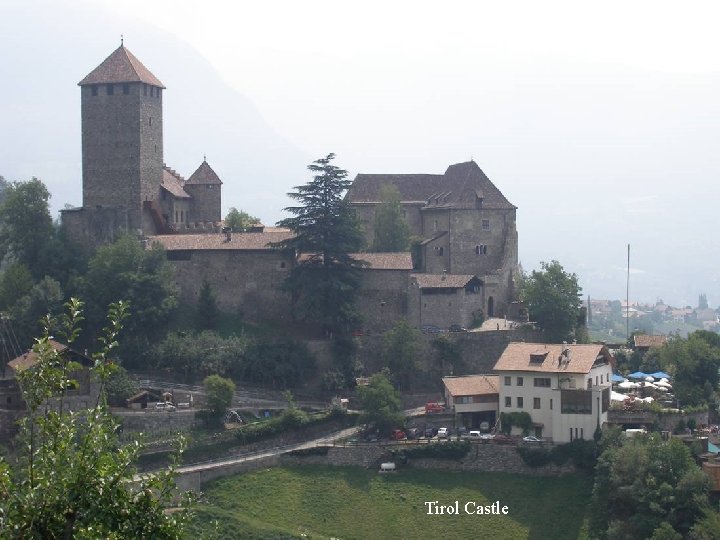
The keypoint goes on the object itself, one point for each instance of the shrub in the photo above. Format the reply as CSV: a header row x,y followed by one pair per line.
x,y
450,450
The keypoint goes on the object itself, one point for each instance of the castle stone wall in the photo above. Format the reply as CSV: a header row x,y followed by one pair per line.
x,y
205,204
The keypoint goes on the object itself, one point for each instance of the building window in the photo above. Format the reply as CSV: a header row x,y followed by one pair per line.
x,y
157,92
126,89
542,382
176,216
182,216
536,403
519,403
110,89
144,89
282,265
440,251
150,121
508,380
575,402
152,91
519,381
481,249
435,225
589,383
211,186
485,224
508,401
94,89
551,404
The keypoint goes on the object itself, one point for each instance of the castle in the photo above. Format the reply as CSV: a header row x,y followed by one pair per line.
x,y
126,185
469,238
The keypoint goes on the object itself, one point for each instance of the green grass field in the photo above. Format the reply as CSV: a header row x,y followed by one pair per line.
x,y
351,502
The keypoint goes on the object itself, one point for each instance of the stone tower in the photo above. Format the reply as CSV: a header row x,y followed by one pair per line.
x,y
204,188
122,142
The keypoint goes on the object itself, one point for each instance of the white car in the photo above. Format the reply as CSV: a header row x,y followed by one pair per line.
x,y
164,406
474,434
443,433
533,439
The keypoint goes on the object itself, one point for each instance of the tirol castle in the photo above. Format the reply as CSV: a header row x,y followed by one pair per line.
x,y
467,260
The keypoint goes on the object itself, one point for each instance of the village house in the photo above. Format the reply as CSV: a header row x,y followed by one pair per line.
x,y
473,398
565,388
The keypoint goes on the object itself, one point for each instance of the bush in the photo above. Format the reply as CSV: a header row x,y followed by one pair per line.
x,y
582,454
312,451
518,419
450,450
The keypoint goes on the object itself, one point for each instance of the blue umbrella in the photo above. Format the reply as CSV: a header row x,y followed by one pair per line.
x,y
617,378
660,375
638,375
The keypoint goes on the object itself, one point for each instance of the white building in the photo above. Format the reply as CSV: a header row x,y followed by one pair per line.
x,y
564,388
473,398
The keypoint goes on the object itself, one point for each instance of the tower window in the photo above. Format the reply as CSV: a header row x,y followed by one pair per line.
x,y
110,89
481,249
144,89
485,224
94,89
152,91
150,121
126,89
157,92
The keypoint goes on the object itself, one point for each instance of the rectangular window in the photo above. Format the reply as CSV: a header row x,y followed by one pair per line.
x,y
157,92
576,402
605,399
152,91
536,403
110,89
519,403
126,89
519,381
144,89
94,89
596,380
542,382
508,401
485,224
508,381
551,404
589,383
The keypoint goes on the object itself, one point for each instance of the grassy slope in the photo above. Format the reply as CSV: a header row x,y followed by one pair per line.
x,y
350,502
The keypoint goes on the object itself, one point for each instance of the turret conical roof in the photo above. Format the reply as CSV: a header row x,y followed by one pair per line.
x,y
204,175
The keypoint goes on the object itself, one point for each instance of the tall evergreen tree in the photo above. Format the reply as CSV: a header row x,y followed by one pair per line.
x,y
391,232
325,280
207,314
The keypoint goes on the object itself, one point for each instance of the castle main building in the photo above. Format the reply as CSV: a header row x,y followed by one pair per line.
x,y
126,186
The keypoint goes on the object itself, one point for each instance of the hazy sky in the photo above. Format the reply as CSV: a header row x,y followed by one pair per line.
x,y
598,120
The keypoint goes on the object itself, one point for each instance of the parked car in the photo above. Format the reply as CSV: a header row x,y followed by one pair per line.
x,y
430,432
462,432
413,433
503,439
533,439
164,406
456,328
487,436
398,435
474,435
443,433
431,329
434,407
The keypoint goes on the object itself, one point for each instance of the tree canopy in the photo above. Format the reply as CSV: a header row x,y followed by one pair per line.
x,y
219,392
646,484
400,349
391,231
553,300
325,280
239,220
380,403
74,479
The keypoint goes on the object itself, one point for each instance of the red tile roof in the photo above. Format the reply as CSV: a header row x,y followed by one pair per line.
x,y
218,241
472,385
442,281
204,175
121,67
171,183
643,340
549,358
27,360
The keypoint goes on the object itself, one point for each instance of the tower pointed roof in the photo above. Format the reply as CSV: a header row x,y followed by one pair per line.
x,y
121,67
204,175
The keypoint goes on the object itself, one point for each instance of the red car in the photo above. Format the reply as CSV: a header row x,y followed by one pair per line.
x,y
398,435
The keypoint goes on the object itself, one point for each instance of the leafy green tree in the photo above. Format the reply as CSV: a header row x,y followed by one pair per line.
x,y
124,270
120,387
380,403
449,356
26,227
239,221
74,479
325,281
44,298
15,282
647,486
401,346
207,314
218,394
199,354
282,362
553,299
391,231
